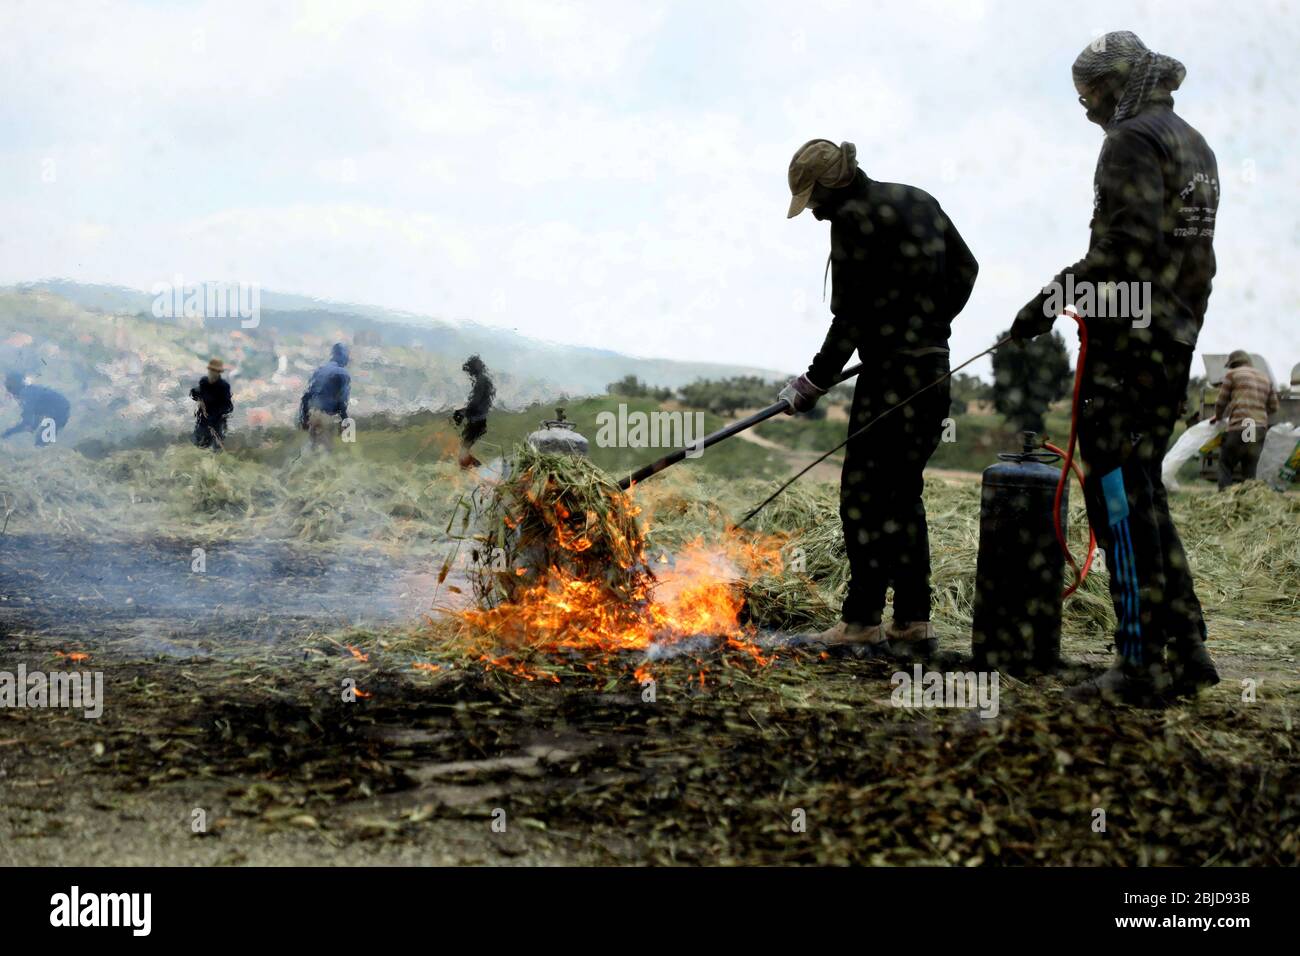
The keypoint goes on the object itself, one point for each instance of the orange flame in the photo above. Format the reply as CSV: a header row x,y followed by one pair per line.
x,y
563,614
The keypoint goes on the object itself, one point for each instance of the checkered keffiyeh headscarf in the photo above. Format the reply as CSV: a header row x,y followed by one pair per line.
x,y
1122,53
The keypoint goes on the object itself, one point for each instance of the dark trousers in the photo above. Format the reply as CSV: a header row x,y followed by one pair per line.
x,y
1127,415
41,437
885,531
204,430
472,430
1236,450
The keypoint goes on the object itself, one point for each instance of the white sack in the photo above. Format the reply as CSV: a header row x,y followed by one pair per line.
x,y
1279,442
1184,450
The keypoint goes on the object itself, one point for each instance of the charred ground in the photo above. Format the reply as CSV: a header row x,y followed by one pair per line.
x,y
587,771
230,695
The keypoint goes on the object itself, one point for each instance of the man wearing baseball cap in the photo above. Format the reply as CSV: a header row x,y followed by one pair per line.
x,y
900,273
213,395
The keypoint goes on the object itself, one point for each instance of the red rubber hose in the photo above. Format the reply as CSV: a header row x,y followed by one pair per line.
x,y
1080,573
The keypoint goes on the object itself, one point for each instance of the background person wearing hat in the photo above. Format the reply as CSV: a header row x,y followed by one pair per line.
x,y
1156,196
1246,399
900,273
213,395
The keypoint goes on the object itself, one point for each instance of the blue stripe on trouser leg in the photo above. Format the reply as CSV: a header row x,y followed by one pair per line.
x,y
1130,630
1134,628
1123,572
1119,562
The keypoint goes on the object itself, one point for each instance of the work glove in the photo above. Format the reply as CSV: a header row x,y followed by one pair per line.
x,y
1032,320
800,395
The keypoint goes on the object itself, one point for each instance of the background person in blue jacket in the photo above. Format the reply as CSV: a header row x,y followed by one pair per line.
x,y
325,403
44,410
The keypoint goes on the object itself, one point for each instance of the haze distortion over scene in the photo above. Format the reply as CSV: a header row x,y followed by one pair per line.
x,y
612,436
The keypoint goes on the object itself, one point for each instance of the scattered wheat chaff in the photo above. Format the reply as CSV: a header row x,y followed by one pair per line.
x,y
1243,547
184,491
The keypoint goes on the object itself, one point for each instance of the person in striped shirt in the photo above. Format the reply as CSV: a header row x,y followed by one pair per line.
x,y
1246,399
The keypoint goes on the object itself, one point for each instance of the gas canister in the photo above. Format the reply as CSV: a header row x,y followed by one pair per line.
x,y
557,436
1020,569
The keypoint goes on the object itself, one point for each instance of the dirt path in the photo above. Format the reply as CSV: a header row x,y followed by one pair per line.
x,y
829,470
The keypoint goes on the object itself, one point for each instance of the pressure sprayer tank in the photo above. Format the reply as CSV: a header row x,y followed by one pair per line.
x,y
558,437
1020,570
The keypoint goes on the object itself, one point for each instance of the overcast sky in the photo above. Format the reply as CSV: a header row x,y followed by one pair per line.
x,y
611,174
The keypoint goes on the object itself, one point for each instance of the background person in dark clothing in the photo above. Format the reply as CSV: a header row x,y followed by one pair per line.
x,y
44,411
325,403
900,273
1156,192
472,418
213,395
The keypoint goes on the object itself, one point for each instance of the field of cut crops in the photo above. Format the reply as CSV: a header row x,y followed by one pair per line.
x,y
689,729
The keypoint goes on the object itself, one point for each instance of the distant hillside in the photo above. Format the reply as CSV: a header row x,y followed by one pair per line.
x,y
561,368
106,349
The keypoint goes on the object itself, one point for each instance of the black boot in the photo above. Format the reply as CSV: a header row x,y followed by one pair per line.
x,y
1192,668
1122,683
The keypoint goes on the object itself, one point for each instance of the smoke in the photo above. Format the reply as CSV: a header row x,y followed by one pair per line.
x,y
182,549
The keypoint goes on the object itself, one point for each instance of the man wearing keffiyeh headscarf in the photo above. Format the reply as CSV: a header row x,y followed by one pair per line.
x,y
1118,77
900,274
1155,198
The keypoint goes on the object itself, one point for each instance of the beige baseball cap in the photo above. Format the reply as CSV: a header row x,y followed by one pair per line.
x,y
819,161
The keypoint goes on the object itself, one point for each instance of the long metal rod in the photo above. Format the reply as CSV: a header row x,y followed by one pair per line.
x,y
817,461
776,408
